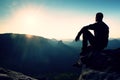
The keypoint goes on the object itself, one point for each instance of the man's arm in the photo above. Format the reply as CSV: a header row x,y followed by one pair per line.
x,y
79,34
91,26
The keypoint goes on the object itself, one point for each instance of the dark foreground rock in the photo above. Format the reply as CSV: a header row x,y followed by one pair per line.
x,y
103,65
98,75
12,75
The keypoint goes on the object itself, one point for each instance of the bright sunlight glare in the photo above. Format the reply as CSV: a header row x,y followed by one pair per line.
x,y
40,21
30,18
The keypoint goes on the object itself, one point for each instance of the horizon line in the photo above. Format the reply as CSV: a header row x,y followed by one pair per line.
x,y
65,39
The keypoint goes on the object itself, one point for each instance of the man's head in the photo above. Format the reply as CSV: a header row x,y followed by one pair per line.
x,y
99,17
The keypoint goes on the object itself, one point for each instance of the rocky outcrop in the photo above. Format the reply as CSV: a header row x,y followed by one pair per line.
x,y
104,65
6,74
89,74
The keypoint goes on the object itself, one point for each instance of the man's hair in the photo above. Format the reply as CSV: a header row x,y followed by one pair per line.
x,y
99,16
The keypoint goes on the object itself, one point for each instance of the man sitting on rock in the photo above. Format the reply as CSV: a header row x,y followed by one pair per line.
x,y
97,41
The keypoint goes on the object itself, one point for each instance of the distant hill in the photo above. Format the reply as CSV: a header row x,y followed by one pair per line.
x,y
39,55
112,44
35,54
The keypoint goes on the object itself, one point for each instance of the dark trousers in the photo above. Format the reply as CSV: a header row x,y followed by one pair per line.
x,y
88,37
97,45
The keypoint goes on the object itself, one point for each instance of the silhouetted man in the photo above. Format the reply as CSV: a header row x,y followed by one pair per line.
x,y
99,40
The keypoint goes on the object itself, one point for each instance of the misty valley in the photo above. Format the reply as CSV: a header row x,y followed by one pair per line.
x,y
41,57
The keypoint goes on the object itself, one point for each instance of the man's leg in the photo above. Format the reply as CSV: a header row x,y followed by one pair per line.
x,y
87,37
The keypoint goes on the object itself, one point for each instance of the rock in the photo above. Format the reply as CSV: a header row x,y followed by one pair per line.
x,y
107,59
98,75
104,65
6,74
5,77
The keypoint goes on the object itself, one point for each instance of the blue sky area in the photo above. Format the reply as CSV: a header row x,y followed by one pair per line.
x,y
110,8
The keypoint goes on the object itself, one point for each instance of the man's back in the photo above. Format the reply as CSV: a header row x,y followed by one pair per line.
x,y
101,33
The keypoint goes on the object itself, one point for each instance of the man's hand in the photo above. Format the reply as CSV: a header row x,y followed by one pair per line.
x,y
77,38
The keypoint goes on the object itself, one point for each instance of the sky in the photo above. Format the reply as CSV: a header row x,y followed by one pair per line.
x,y
58,19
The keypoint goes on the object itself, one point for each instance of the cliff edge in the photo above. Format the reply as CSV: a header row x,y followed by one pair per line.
x,y
104,65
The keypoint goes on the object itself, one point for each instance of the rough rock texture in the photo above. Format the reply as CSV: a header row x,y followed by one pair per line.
x,y
12,75
103,65
98,75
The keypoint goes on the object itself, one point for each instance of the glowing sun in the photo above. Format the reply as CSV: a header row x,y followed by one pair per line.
x,y
29,18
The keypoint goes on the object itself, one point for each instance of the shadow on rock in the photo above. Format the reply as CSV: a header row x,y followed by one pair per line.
x,y
102,61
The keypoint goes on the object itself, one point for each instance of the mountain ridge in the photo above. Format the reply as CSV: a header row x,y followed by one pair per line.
x,y
21,52
37,55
